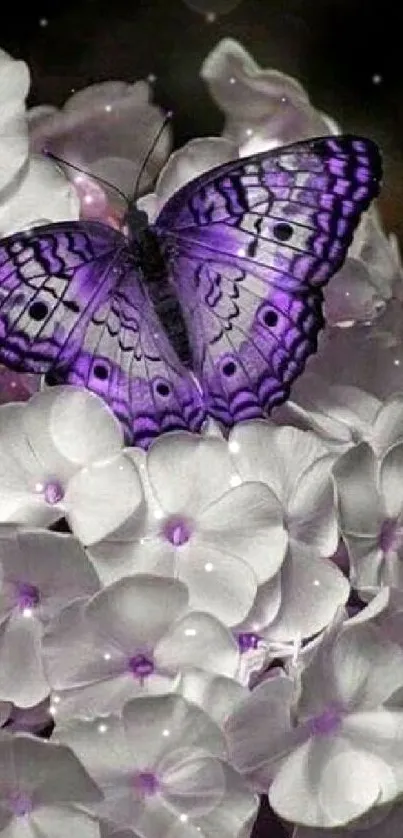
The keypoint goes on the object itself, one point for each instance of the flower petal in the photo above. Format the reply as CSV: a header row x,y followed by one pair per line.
x,y
312,591
102,496
22,679
247,522
197,640
138,611
187,472
391,480
360,506
220,584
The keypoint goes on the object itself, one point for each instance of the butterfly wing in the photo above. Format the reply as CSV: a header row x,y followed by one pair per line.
x,y
72,306
250,245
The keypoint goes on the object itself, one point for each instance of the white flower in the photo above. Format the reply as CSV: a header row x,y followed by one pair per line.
x,y
40,573
162,765
311,742
371,514
132,638
106,129
43,790
263,108
60,454
35,189
220,536
296,466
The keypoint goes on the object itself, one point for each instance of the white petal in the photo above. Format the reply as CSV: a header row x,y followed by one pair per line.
x,y
391,480
238,808
188,472
156,726
193,785
190,161
136,612
69,427
54,562
216,695
53,770
223,585
101,746
359,502
44,195
311,511
321,784
312,591
103,496
14,86
116,559
198,640
259,728
60,822
388,425
247,522
22,679
274,455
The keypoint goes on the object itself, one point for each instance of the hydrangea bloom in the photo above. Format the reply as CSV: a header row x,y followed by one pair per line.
x,y
218,534
311,740
202,635
106,130
132,638
40,573
57,452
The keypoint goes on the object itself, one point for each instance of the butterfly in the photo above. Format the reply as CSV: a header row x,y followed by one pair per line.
x,y
212,310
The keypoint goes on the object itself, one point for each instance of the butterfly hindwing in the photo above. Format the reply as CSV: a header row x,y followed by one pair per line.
x,y
250,244
71,305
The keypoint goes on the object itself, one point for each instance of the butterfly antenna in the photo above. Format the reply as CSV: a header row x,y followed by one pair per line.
x,y
88,174
167,118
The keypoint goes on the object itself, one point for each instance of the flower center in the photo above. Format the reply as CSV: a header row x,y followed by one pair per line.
x,y
177,530
390,536
20,804
141,666
327,722
28,596
248,640
53,492
146,783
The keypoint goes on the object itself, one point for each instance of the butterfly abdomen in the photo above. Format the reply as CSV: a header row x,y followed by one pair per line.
x,y
153,266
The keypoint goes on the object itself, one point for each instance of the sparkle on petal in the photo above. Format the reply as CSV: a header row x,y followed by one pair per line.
x,y
177,530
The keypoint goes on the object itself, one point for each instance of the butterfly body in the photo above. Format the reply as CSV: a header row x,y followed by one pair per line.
x,y
213,309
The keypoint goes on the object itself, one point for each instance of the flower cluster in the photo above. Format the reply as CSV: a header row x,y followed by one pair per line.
x,y
221,617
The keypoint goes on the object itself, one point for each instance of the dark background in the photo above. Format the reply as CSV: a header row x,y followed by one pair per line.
x,y
334,47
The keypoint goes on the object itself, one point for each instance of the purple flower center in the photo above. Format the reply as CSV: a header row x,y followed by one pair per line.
x,y
146,783
248,640
177,530
27,596
21,804
327,722
141,666
53,492
390,536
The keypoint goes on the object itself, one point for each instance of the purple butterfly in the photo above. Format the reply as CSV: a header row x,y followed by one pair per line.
x,y
213,309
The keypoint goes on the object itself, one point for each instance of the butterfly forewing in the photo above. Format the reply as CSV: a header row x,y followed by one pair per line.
x,y
249,246
71,304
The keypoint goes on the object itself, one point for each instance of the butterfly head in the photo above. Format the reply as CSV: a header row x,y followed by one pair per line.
x,y
136,221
